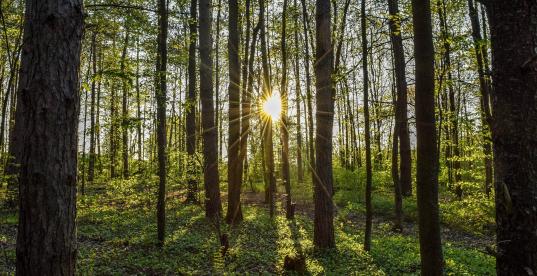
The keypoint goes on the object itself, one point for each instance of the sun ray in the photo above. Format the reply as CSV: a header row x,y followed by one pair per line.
x,y
272,106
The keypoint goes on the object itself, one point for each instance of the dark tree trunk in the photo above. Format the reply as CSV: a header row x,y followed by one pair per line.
x,y
298,96
45,137
125,109
213,206
266,92
309,99
514,133
234,212
91,163
405,167
217,84
161,90
191,105
398,195
427,173
286,175
486,116
368,166
139,107
323,233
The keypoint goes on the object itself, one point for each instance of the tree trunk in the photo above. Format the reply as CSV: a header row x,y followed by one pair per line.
x,y
162,62
286,175
91,163
298,96
323,231
125,109
191,106
49,84
486,116
368,206
213,206
514,133
427,173
405,167
234,212
308,93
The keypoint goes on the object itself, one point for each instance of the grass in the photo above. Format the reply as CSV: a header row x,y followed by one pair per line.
x,y
117,236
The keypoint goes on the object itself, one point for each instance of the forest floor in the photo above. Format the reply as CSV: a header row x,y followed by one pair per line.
x,y
117,236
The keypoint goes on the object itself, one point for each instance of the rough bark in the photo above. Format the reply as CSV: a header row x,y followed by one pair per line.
x,y
234,212
401,110
368,166
513,27
125,108
323,231
45,137
161,90
427,161
191,105
213,205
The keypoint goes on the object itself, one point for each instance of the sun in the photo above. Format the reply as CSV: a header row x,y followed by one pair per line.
x,y
272,106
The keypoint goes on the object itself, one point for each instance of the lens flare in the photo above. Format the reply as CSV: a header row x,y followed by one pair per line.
x,y
272,106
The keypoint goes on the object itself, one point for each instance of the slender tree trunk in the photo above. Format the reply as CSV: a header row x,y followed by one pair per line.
x,y
427,161
213,207
401,111
139,106
91,162
191,105
234,212
266,92
125,109
368,206
486,116
308,92
323,231
514,133
46,235
298,96
217,84
286,175
161,87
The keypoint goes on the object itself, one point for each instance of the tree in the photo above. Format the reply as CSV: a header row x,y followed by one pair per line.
x,y
286,175
514,132
161,88
323,234
369,173
213,205
234,212
48,84
91,165
191,104
125,107
427,154
405,174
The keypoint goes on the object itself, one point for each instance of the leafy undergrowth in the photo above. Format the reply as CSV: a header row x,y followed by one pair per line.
x,y
117,236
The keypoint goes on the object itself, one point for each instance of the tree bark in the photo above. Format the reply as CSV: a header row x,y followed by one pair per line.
x,y
427,173
234,212
191,105
298,96
161,90
125,109
514,133
45,137
286,175
323,231
368,206
401,111
213,205
308,92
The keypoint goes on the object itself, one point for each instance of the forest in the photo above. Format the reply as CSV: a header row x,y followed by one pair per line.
x,y
286,137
